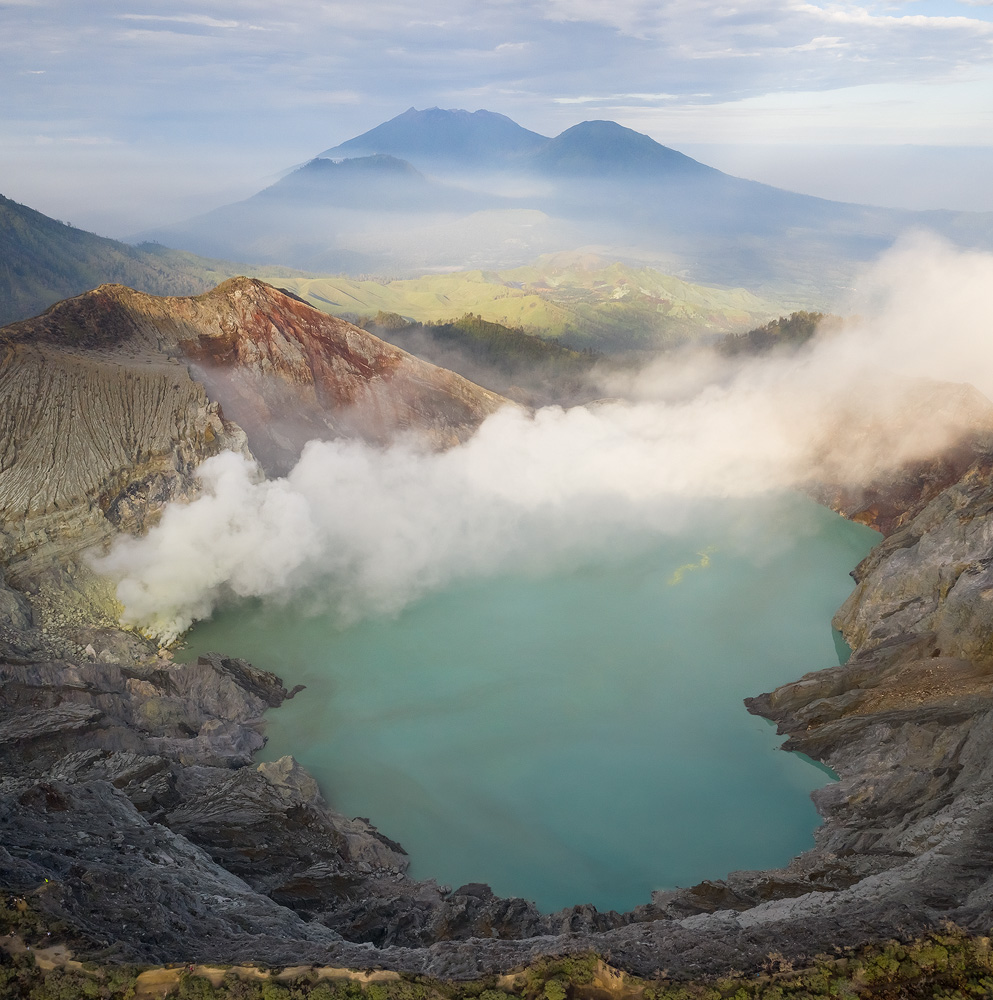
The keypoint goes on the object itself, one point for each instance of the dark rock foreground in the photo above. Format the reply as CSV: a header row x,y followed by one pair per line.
x,y
130,804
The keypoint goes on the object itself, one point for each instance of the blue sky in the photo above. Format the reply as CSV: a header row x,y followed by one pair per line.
x,y
127,114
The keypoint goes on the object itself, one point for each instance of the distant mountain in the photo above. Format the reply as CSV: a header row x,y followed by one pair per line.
x,y
318,216
378,181
477,138
606,149
452,140
497,196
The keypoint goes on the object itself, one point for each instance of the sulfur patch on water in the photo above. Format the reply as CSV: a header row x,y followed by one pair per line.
x,y
576,736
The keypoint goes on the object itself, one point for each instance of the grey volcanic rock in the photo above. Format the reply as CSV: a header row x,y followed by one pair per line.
x,y
158,837
131,809
95,443
133,888
932,578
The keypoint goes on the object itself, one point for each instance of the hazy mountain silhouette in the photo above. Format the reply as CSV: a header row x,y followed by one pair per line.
x,y
463,138
496,195
606,149
378,182
321,216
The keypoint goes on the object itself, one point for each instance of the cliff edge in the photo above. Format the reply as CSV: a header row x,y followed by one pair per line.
x,y
109,402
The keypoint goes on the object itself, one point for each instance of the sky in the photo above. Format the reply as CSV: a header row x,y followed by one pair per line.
x,y
121,115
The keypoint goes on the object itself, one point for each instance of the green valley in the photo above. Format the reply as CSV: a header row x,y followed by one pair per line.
x,y
581,299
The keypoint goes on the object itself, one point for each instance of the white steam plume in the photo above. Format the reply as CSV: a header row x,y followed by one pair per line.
x,y
380,527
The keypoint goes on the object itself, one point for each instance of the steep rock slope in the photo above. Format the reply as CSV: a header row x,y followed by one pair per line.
x,y
288,373
127,755
92,444
110,401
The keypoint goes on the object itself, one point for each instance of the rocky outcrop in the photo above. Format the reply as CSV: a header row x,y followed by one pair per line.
x,y
130,799
93,444
880,460
129,793
110,401
277,367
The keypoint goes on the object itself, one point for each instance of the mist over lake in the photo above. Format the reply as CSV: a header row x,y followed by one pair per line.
x,y
575,736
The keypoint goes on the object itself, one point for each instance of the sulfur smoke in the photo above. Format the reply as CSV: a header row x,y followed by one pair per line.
x,y
376,528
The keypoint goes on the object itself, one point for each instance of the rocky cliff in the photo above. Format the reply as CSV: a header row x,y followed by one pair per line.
x,y
130,804
109,401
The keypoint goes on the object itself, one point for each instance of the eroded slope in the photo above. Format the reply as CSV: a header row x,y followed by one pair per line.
x,y
109,402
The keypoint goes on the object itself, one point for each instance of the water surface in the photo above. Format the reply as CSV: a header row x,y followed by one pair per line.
x,y
577,736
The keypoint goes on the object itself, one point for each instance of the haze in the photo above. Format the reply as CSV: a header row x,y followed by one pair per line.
x,y
121,117
378,528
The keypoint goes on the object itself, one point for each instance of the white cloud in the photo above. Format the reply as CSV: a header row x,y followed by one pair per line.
x,y
613,98
862,17
76,140
202,20
945,113
182,75
821,42
381,527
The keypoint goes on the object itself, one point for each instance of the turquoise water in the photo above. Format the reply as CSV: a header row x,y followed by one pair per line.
x,y
576,737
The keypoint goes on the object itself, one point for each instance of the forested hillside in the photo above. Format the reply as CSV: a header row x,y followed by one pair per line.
x,y
43,261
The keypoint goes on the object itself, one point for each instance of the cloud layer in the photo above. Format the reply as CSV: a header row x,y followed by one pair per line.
x,y
371,529
272,85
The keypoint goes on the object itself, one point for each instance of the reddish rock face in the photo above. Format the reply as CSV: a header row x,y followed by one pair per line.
x,y
283,371
109,402
889,502
951,423
288,373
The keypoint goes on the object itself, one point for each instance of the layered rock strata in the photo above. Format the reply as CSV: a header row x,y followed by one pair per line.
x,y
110,401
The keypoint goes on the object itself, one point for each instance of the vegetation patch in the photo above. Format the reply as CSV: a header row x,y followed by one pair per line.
x,y
505,359
949,965
590,303
784,333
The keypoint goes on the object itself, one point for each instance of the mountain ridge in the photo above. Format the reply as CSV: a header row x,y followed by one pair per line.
x,y
444,136
44,261
595,184
470,136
